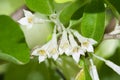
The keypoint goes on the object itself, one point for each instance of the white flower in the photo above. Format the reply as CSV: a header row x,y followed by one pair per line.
x,y
93,71
113,66
41,52
30,19
27,20
110,64
49,50
53,47
64,46
86,43
76,50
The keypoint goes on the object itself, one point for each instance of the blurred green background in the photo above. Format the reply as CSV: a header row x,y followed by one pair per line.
x,y
7,7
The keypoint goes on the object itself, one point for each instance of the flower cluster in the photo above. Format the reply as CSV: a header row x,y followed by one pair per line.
x,y
71,42
65,41
67,45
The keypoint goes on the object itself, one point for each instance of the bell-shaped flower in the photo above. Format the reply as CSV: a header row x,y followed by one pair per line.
x,y
113,66
64,46
75,50
86,43
53,47
30,19
110,64
41,52
49,50
93,71
27,20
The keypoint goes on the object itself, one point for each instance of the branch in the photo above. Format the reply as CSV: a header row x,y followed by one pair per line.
x,y
18,14
111,36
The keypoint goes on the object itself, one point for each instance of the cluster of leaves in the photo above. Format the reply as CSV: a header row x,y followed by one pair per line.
x,y
86,16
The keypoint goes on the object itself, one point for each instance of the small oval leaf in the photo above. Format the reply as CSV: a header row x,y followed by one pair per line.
x,y
86,69
42,6
68,11
93,21
31,71
13,47
80,75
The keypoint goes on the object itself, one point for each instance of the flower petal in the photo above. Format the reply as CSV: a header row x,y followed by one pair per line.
x,y
55,56
93,71
52,51
92,41
40,50
73,43
77,34
53,46
76,57
35,52
110,64
23,21
90,48
42,58
113,66
27,13
30,26
64,44
81,51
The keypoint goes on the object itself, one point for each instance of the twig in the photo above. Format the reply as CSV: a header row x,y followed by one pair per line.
x,y
19,13
111,26
111,36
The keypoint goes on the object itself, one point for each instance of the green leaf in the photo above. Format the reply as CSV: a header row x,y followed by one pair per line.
x,y
116,4
106,49
7,7
31,71
78,14
60,6
68,67
68,11
42,6
13,47
107,73
80,75
63,1
93,20
86,69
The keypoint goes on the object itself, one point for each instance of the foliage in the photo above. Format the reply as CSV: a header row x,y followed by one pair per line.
x,y
88,17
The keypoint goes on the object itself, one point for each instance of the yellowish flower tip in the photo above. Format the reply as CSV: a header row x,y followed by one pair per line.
x,y
76,49
30,19
27,20
65,45
68,45
41,52
86,43
53,51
